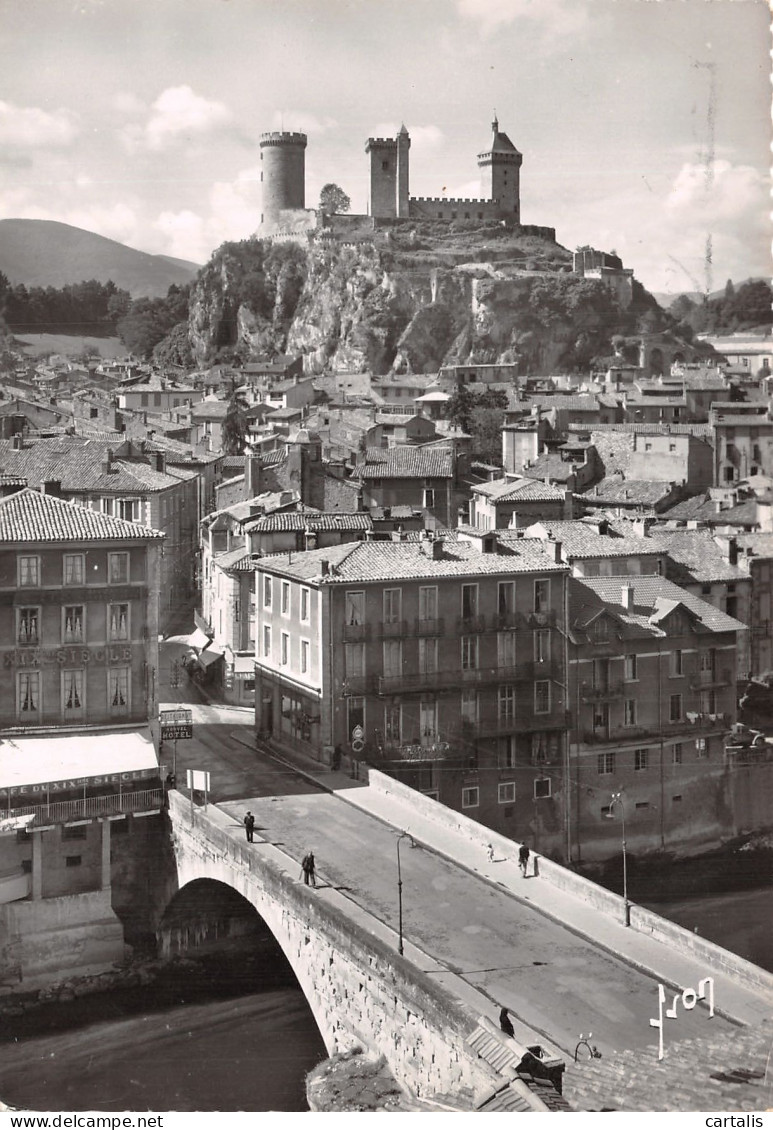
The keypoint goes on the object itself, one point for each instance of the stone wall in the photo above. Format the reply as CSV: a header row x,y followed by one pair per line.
x,y
360,990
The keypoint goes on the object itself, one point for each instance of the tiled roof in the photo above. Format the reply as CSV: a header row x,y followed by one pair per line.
x,y
618,491
274,523
271,458
704,430
700,507
694,557
519,490
209,410
580,540
406,463
29,516
77,463
365,561
718,1073
575,403
588,595
761,545
239,558
550,465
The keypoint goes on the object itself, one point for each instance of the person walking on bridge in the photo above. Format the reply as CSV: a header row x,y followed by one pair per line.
x,y
308,869
249,827
523,858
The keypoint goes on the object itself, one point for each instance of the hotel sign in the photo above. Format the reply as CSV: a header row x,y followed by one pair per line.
x,y
61,656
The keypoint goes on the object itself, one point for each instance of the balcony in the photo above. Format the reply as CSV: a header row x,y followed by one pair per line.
x,y
589,692
354,633
546,619
469,625
434,627
505,621
705,680
392,629
522,721
58,812
358,685
415,682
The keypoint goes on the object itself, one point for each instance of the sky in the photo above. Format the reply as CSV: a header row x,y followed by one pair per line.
x,y
644,125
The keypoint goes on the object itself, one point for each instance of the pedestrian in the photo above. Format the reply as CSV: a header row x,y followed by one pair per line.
x,y
523,859
308,869
505,1023
490,852
249,827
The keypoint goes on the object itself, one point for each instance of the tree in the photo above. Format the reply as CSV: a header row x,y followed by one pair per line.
x,y
333,199
460,407
235,424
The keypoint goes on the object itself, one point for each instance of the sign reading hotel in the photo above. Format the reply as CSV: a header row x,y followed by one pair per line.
x,y
176,725
49,656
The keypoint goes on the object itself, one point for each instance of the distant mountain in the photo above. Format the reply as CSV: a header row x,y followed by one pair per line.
x,y
666,300
47,253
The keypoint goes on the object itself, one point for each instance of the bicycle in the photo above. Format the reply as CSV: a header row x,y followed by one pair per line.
x,y
584,1041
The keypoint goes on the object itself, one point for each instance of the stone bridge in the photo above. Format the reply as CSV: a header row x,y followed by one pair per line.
x,y
431,1012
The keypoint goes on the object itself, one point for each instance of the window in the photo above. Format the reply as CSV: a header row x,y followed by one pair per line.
x,y
28,693
117,568
427,656
469,706
506,599
393,723
285,598
506,752
506,792
708,702
29,572
506,644
428,721
354,607
677,664
601,629
118,689
641,759
28,626
129,509
600,717
428,603
677,799
118,621
707,661
72,861
676,753
642,804
629,715
542,646
392,605
267,640
392,658
701,747
429,498
469,601
285,650
541,596
305,605
266,592
74,569
600,674
630,668
469,653
471,797
606,764
542,788
675,708
506,702
304,657
72,694
542,697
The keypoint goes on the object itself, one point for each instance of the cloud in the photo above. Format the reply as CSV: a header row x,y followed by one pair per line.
x,y
177,115
234,214
28,127
298,121
566,17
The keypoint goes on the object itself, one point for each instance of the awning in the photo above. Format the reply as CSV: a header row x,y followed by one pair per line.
x,y
9,825
210,656
75,758
198,639
244,666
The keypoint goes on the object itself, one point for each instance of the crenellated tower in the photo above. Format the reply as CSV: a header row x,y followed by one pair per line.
x,y
283,173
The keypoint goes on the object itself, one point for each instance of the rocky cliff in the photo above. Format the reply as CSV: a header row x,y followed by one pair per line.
x,y
410,299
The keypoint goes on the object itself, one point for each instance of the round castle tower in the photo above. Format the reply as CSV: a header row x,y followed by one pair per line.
x,y
283,173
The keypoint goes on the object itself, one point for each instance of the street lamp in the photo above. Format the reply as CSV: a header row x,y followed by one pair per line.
x,y
402,836
617,798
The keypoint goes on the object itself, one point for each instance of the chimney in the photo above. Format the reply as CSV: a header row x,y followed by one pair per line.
x,y
17,442
160,462
437,549
325,568
557,556
628,597
107,461
53,487
732,551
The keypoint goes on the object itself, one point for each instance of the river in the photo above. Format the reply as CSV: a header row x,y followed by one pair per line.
x,y
200,1042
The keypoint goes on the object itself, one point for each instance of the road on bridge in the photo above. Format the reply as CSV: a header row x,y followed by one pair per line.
x,y
554,981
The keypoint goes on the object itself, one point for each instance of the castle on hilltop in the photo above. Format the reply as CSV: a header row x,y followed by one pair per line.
x,y
283,175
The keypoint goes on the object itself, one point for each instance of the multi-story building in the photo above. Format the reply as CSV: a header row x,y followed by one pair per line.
x,y
79,632
410,476
652,699
433,660
743,441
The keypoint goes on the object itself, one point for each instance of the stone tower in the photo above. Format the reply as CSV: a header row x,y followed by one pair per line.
x,y
500,175
283,173
389,174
